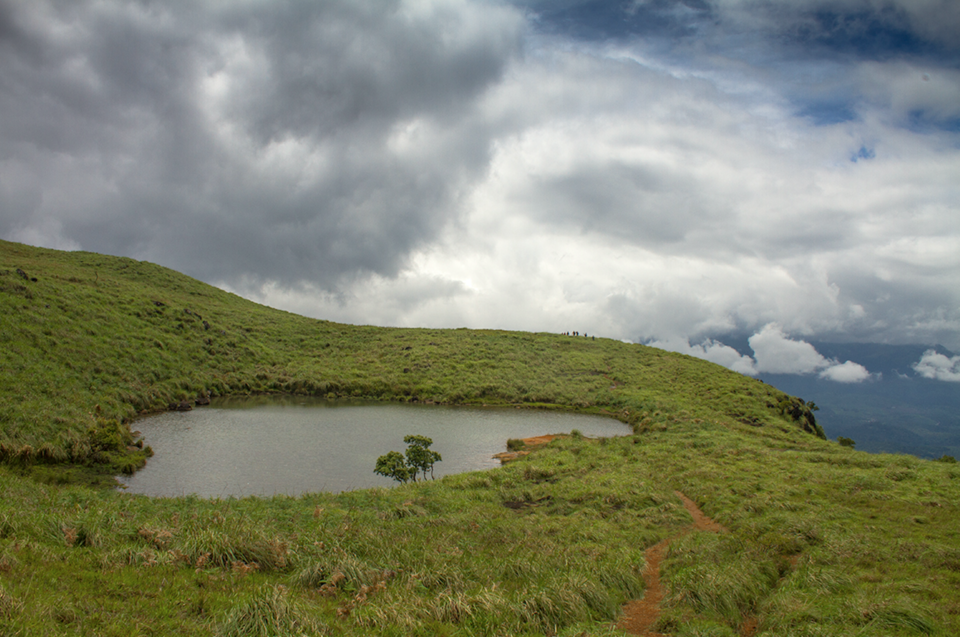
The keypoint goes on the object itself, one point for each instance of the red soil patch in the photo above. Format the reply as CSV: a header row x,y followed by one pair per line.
x,y
529,444
539,440
700,521
639,616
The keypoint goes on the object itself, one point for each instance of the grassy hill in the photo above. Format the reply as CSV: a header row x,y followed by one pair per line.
x,y
90,341
819,539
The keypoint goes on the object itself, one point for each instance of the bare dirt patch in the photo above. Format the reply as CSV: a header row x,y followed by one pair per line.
x,y
529,444
749,627
700,521
640,615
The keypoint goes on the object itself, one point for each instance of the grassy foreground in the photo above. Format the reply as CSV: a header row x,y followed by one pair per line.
x,y
821,539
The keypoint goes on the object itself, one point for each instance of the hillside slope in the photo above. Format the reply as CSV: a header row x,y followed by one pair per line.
x,y
816,539
89,341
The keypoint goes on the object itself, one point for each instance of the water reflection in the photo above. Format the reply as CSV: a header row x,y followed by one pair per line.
x,y
292,444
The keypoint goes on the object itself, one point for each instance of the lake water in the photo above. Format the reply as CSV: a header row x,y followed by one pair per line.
x,y
295,445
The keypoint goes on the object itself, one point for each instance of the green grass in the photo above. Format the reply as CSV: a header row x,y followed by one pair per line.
x,y
97,340
821,539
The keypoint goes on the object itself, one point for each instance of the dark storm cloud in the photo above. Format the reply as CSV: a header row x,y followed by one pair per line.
x,y
263,140
342,66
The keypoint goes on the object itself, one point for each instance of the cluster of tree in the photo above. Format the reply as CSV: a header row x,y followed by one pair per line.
x,y
802,412
405,468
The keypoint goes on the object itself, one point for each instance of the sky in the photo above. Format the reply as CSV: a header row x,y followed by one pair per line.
x,y
670,172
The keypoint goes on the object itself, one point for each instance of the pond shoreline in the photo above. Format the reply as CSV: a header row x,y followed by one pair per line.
x,y
291,445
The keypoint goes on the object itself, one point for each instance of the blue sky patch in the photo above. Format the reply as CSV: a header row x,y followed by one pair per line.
x,y
602,19
828,113
863,153
921,121
872,35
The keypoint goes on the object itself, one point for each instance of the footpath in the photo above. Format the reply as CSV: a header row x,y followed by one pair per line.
x,y
640,616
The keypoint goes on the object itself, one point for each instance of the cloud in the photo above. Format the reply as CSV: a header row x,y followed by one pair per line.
x,y
287,142
774,353
861,27
777,354
712,351
938,366
529,166
865,28
911,93
848,372
380,300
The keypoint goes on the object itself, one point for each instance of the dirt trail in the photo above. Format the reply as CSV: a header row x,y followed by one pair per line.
x,y
700,521
640,616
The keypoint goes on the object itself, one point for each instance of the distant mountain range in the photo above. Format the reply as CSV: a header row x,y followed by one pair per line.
x,y
897,411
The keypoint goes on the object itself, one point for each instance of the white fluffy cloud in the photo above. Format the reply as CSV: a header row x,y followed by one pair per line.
x,y
713,351
848,372
777,354
939,367
774,353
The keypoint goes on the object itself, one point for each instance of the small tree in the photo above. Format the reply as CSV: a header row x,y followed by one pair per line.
x,y
419,458
846,442
393,465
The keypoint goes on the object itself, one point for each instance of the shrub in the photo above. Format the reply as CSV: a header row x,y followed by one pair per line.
x,y
419,455
515,444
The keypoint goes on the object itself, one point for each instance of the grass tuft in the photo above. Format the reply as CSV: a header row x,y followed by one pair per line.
x,y
269,612
10,606
894,618
228,544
